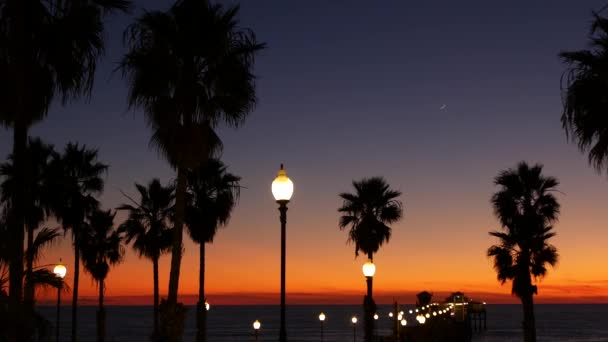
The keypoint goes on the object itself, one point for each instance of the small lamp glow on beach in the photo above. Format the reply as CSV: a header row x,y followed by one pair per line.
x,y
420,319
376,317
256,328
403,322
207,306
322,320
354,320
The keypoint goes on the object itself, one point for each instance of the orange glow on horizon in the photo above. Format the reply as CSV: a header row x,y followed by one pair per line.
x,y
438,253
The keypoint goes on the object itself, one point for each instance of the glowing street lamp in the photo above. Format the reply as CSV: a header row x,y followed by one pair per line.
x,y
403,322
207,306
282,189
60,272
256,328
322,320
369,269
354,321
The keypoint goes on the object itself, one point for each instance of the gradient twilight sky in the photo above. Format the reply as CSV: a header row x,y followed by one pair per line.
x,y
352,89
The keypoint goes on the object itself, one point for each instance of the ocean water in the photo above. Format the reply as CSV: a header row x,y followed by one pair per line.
x,y
560,323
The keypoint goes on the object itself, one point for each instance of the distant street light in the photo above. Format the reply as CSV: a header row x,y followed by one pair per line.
x,y
354,321
207,306
282,189
322,320
60,272
376,324
256,328
403,322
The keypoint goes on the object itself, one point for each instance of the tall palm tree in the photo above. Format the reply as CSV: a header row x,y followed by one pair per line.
x,y
39,156
101,248
585,95
368,212
47,49
212,195
206,79
526,209
148,227
78,174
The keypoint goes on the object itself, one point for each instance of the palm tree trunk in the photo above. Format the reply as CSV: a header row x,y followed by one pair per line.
x,y
201,308
75,286
29,286
155,266
173,315
17,234
529,323
101,315
176,251
28,292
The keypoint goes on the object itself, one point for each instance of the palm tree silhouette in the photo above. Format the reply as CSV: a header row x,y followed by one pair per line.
x,y
49,49
78,175
206,79
368,212
212,195
38,157
101,248
148,227
585,95
526,209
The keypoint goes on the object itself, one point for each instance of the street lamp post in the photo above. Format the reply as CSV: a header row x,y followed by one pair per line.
x,y
322,320
369,269
282,189
354,321
256,328
60,272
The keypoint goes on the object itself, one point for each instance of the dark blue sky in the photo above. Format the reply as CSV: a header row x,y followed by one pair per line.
x,y
354,88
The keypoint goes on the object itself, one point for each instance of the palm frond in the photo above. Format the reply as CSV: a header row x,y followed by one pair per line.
x,y
45,236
